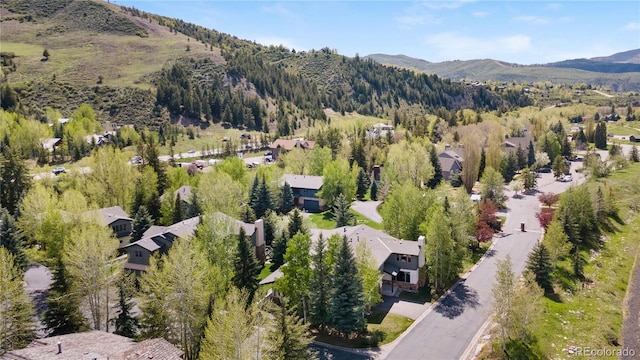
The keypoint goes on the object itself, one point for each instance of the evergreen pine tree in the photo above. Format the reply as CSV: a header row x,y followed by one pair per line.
x,y
320,285
126,324
270,225
279,249
138,198
141,223
247,267
288,337
347,301
193,209
178,210
247,215
12,238
295,224
539,263
483,163
157,165
437,169
373,193
341,212
264,201
601,136
63,315
362,184
287,198
531,155
521,156
253,193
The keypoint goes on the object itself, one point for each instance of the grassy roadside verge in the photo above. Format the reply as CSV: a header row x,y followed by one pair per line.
x,y
382,328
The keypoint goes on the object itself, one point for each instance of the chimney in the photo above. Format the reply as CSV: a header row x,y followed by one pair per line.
x,y
59,347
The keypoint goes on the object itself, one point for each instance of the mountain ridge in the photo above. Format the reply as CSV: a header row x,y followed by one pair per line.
x,y
619,72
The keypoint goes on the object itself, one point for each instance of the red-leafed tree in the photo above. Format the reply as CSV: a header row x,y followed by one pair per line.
x,y
488,210
488,222
549,198
483,232
545,216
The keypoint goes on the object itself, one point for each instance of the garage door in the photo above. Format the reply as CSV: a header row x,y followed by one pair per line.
x,y
311,205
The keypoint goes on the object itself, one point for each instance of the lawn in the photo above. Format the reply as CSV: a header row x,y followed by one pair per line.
x,y
266,271
382,328
423,295
324,220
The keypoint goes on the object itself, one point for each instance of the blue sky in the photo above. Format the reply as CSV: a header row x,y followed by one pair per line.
x,y
523,32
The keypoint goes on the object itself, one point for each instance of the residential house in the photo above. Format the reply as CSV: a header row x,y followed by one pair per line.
x,y
401,262
634,138
379,130
450,161
512,143
116,218
95,344
51,144
96,139
305,191
159,239
288,144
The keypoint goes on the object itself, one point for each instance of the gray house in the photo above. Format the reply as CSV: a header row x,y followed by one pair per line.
x,y
305,191
399,261
450,162
159,239
116,218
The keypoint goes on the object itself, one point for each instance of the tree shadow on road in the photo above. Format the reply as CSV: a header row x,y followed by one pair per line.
x,y
455,302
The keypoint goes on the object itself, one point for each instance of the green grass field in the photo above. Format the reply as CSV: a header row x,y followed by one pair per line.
x,y
324,220
382,328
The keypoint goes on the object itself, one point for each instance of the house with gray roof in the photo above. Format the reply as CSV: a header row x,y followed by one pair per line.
x,y
451,162
95,344
159,239
399,261
114,217
305,191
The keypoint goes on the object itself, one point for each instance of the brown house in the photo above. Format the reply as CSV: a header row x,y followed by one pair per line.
x,y
288,145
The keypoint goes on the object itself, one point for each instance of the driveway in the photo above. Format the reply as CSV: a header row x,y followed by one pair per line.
x,y
368,209
398,306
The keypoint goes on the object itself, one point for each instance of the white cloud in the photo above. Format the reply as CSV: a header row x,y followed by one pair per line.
x,y
531,19
450,46
632,26
480,13
450,4
555,6
280,10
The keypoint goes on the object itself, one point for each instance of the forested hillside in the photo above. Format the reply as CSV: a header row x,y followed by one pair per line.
x,y
140,68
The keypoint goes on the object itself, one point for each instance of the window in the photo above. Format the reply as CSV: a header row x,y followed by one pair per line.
x,y
138,253
405,258
404,276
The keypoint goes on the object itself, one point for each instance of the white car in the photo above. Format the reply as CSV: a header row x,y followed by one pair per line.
x,y
567,178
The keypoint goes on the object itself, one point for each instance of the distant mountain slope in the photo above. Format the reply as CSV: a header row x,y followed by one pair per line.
x,y
631,56
488,69
137,67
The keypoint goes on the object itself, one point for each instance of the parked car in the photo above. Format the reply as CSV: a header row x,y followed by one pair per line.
x,y
59,170
544,170
191,151
268,153
567,178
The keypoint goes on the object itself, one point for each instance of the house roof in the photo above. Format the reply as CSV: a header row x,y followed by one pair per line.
x,y
451,154
107,216
154,231
95,345
50,144
156,349
289,144
381,244
145,243
184,228
303,181
184,192
249,229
